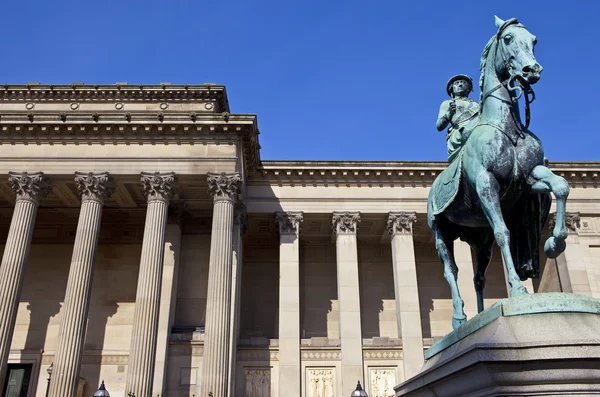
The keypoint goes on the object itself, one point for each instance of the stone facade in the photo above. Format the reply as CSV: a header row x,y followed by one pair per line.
x,y
147,212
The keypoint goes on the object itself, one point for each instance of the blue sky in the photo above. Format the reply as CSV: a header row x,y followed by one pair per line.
x,y
329,80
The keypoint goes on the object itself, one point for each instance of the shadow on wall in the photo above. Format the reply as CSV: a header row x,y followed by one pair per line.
x,y
113,297
318,289
376,284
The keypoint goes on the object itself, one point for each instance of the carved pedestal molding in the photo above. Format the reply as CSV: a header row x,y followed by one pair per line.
x,y
29,190
406,288
290,224
93,189
240,223
159,190
345,225
224,188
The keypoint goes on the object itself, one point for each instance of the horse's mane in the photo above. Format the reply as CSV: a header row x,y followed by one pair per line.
x,y
484,57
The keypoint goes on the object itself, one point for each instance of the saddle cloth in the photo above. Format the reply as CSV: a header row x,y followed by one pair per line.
x,y
445,186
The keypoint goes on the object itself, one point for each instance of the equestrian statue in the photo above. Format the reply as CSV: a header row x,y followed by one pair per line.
x,y
497,186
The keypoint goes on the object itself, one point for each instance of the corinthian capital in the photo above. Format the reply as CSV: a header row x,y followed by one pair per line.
x,y
31,187
158,186
97,187
224,186
345,222
572,219
400,222
289,222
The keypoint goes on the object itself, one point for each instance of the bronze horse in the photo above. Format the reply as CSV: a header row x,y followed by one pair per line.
x,y
498,188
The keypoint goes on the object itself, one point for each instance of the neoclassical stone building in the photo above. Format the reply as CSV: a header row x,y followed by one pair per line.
x,y
147,244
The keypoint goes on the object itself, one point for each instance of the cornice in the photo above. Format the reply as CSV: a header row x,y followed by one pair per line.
x,y
389,173
119,92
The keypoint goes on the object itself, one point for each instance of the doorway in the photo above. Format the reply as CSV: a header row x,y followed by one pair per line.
x,y
17,380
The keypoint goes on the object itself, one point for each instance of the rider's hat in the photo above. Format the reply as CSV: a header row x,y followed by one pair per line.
x,y
458,77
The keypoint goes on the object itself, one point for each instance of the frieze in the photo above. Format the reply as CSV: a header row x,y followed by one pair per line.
x,y
112,359
257,355
382,355
257,382
321,355
186,350
382,381
320,382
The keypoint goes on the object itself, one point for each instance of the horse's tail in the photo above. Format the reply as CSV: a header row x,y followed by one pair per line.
x,y
526,223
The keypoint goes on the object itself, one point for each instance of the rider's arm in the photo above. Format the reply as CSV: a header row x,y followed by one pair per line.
x,y
443,116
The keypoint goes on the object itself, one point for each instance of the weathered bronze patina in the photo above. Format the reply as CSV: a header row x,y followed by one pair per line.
x,y
497,186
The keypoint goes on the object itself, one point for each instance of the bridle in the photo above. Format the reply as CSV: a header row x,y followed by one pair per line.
x,y
510,86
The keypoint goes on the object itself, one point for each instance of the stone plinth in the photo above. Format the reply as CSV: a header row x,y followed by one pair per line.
x,y
533,345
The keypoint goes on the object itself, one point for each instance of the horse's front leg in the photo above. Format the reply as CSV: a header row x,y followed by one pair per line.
x,y
488,192
542,180
445,249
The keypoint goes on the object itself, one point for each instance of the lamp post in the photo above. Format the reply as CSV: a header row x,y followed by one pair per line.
x,y
49,371
102,392
359,392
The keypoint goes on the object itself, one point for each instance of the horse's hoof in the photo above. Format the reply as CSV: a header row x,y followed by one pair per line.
x,y
554,247
518,291
457,322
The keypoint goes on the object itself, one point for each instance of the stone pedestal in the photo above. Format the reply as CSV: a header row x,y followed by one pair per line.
x,y
532,345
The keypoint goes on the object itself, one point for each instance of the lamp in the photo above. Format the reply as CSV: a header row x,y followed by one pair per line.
x,y
102,392
49,372
359,392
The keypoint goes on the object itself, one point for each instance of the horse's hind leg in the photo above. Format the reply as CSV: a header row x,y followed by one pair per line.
x,y
445,249
488,192
542,180
483,254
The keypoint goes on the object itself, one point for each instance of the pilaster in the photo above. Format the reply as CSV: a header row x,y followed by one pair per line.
x,y
289,224
168,294
345,225
406,288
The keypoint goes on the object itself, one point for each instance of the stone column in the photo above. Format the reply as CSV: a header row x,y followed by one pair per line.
x,y
29,189
289,224
464,261
240,220
159,189
168,295
571,265
93,189
224,188
345,225
408,310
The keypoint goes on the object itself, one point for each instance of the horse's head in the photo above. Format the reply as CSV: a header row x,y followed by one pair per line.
x,y
514,54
